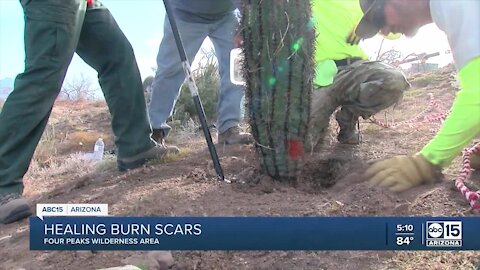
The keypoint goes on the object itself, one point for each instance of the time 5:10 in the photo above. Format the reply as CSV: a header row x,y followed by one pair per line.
x,y
405,228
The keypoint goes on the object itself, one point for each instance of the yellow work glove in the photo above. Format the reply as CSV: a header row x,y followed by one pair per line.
x,y
402,172
475,161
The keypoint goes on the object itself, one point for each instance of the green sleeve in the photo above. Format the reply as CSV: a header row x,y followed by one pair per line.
x,y
463,123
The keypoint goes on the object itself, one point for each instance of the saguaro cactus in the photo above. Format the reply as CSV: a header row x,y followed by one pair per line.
x,y
278,68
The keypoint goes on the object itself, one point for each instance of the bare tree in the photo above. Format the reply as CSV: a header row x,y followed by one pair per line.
x,y
77,89
147,89
391,56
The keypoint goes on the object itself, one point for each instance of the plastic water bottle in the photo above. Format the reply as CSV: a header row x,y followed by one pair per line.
x,y
236,73
98,149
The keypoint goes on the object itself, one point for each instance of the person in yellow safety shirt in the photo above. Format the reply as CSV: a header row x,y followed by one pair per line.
x,y
344,76
460,20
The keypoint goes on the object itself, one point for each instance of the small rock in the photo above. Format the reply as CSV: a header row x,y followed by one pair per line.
x,y
183,266
402,208
137,259
84,254
125,267
160,260
339,203
7,237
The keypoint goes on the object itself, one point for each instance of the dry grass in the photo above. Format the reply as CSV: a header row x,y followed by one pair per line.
x,y
40,176
184,152
74,127
82,140
435,260
80,104
423,81
413,94
108,165
71,132
47,147
183,133
74,164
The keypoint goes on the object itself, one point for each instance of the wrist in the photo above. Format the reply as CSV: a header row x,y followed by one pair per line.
x,y
433,171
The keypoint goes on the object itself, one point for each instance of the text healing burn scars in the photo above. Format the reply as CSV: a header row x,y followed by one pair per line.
x,y
123,229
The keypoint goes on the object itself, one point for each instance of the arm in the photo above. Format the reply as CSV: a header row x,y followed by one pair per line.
x,y
463,123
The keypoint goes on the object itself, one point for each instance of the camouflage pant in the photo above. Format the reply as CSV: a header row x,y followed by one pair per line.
x,y
361,89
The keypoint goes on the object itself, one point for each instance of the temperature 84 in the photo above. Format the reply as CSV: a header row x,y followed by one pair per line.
x,y
404,240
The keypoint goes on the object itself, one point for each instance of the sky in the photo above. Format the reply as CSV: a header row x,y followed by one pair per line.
x,y
142,23
429,39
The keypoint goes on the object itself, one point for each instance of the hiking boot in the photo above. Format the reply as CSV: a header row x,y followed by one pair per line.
x,y
234,136
348,137
13,208
347,121
158,135
157,152
348,133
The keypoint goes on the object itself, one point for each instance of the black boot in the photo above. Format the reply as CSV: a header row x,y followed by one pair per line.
x,y
13,207
348,122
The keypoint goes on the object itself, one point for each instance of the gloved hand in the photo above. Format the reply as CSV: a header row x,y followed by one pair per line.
x,y
475,161
402,172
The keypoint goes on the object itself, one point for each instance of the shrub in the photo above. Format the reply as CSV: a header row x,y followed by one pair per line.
x,y
208,81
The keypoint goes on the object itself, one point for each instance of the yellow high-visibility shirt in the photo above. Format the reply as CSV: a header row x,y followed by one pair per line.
x,y
335,21
460,20
463,123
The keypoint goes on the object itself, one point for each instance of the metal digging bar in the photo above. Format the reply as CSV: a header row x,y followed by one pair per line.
x,y
194,91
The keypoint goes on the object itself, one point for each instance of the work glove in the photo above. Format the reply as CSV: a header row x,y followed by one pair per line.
x,y
401,173
475,161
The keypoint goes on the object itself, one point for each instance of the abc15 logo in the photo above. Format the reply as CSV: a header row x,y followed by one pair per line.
x,y
448,230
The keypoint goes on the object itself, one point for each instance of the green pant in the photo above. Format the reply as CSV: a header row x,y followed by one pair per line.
x,y
54,31
361,89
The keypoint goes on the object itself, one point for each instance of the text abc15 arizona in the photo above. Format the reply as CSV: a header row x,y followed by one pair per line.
x,y
443,234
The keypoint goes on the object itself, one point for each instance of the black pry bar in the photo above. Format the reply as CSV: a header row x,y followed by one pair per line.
x,y
194,91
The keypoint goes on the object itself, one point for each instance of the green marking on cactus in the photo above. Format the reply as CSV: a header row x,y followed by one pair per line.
x,y
272,81
311,22
297,44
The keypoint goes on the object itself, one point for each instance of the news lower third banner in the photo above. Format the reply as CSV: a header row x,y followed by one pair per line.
x,y
254,233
